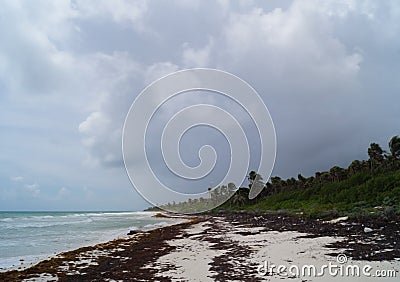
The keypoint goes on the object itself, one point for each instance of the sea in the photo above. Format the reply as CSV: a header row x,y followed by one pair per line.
x,y
28,237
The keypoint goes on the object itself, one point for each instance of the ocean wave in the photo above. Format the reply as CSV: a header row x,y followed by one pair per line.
x,y
100,214
11,263
33,217
26,234
46,224
43,216
7,219
156,225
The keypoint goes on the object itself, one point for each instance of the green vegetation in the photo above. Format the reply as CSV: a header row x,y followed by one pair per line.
x,y
359,194
363,188
215,197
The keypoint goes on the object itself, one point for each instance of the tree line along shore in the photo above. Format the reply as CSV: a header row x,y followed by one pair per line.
x,y
364,188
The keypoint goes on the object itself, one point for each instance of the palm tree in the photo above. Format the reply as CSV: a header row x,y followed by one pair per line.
x,y
256,184
394,147
231,187
252,177
375,154
326,177
354,167
276,183
309,182
291,182
267,189
318,175
337,173
301,178
238,199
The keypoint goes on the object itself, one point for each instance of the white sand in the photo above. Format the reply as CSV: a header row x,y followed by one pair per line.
x,y
44,277
191,258
193,255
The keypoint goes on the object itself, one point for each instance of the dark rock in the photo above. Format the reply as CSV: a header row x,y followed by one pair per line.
x,y
133,232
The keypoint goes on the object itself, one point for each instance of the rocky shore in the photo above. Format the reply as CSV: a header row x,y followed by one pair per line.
x,y
226,246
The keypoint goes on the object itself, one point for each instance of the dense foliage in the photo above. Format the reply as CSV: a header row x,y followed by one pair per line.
x,y
364,187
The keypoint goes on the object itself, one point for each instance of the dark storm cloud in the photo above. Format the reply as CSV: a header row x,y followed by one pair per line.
x,y
327,70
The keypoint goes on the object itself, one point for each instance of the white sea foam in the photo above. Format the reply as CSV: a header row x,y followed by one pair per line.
x,y
7,219
34,236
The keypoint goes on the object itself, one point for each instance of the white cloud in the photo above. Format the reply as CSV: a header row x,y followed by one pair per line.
x,y
158,70
118,77
33,37
95,123
70,70
102,138
197,57
17,178
37,70
120,11
298,40
33,189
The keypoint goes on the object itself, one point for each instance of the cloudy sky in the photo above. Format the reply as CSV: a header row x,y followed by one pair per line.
x,y
69,70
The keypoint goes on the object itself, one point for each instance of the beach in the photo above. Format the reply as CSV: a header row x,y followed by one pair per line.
x,y
29,237
234,246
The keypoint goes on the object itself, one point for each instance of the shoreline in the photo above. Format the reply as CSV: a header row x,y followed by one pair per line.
x,y
223,246
67,265
23,262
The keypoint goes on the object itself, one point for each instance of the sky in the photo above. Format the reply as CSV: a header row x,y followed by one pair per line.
x,y
328,71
